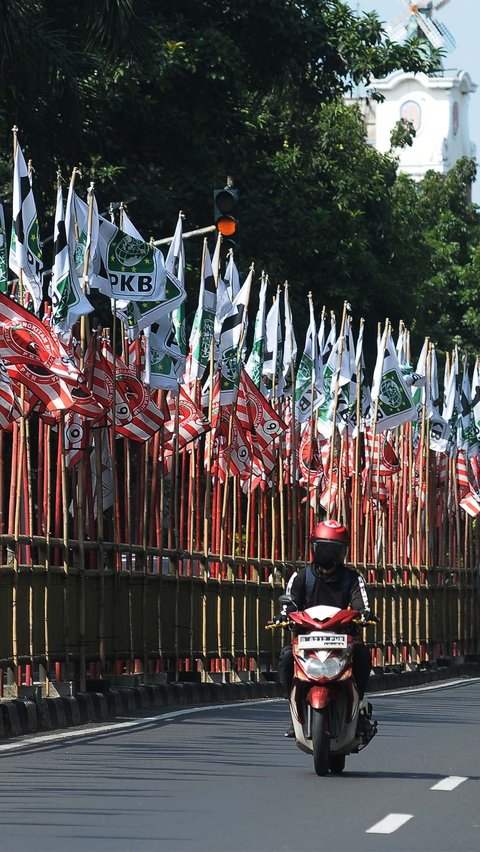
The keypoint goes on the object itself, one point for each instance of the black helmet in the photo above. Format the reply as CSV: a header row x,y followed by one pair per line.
x,y
329,541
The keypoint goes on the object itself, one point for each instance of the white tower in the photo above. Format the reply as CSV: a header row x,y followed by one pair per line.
x,y
437,106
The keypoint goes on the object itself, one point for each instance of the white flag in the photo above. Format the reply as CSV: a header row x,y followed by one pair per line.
x,y
307,399
395,405
272,363
175,263
233,327
203,321
289,346
25,248
68,301
254,365
130,268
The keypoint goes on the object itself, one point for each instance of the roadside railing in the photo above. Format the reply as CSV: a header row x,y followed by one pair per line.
x,y
72,616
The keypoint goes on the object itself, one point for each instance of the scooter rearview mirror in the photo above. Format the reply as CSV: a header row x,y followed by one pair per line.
x,y
287,600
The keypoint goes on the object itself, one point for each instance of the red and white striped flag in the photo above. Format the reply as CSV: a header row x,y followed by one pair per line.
x,y
144,417
98,374
234,457
385,459
52,391
191,421
328,497
462,470
471,504
10,408
311,466
25,340
255,412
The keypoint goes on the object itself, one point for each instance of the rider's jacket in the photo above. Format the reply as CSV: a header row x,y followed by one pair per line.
x,y
344,587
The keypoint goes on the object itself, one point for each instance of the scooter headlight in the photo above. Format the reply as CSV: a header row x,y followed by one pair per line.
x,y
329,668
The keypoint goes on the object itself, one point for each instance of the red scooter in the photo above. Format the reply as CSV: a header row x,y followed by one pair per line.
x,y
329,718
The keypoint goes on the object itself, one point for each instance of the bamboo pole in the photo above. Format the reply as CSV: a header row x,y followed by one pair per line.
x,y
207,528
101,552
335,404
292,492
146,509
64,516
372,457
248,524
47,519
160,535
230,430
312,398
2,486
84,335
356,477
272,496
128,527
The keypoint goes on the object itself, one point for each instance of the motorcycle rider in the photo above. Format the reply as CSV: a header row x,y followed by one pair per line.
x,y
327,581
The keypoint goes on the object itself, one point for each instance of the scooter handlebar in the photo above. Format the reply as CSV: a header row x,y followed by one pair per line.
x,y
366,622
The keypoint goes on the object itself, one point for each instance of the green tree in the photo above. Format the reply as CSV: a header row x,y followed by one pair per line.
x,y
446,297
159,101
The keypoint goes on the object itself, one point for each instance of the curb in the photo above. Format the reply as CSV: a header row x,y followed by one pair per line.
x,y
403,680
24,716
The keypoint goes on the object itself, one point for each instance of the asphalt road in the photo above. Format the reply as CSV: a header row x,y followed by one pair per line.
x,y
226,779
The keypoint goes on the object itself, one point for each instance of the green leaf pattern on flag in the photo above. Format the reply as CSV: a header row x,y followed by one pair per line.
x,y
394,400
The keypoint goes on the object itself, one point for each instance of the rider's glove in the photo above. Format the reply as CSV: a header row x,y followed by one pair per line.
x,y
368,618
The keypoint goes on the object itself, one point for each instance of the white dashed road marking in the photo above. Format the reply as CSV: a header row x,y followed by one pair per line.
x,y
449,783
389,824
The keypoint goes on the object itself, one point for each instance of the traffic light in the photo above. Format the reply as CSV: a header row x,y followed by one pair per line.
x,y
226,214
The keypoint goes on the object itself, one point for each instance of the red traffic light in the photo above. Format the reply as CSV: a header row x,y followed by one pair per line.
x,y
226,225
226,204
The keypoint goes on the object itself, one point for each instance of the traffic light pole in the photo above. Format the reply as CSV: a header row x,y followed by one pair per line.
x,y
197,233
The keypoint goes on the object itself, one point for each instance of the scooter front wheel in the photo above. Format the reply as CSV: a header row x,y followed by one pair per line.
x,y
337,763
321,741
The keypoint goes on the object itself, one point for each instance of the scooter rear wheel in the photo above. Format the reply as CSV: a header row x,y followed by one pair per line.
x,y
320,741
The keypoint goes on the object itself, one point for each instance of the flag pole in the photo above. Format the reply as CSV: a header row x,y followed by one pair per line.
x,y
2,508
46,498
428,477
208,440
421,463
230,429
64,504
272,498
19,434
312,397
81,472
372,455
356,482
293,454
335,406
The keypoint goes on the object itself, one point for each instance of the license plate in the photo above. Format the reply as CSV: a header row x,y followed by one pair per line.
x,y
323,641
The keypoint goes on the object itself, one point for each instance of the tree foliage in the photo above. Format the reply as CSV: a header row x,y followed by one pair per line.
x,y
159,101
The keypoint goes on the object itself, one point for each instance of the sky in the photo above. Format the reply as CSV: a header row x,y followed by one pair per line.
x,y
462,17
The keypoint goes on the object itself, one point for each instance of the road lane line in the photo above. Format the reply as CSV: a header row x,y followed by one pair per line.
x,y
449,783
99,730
409,689
389,824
